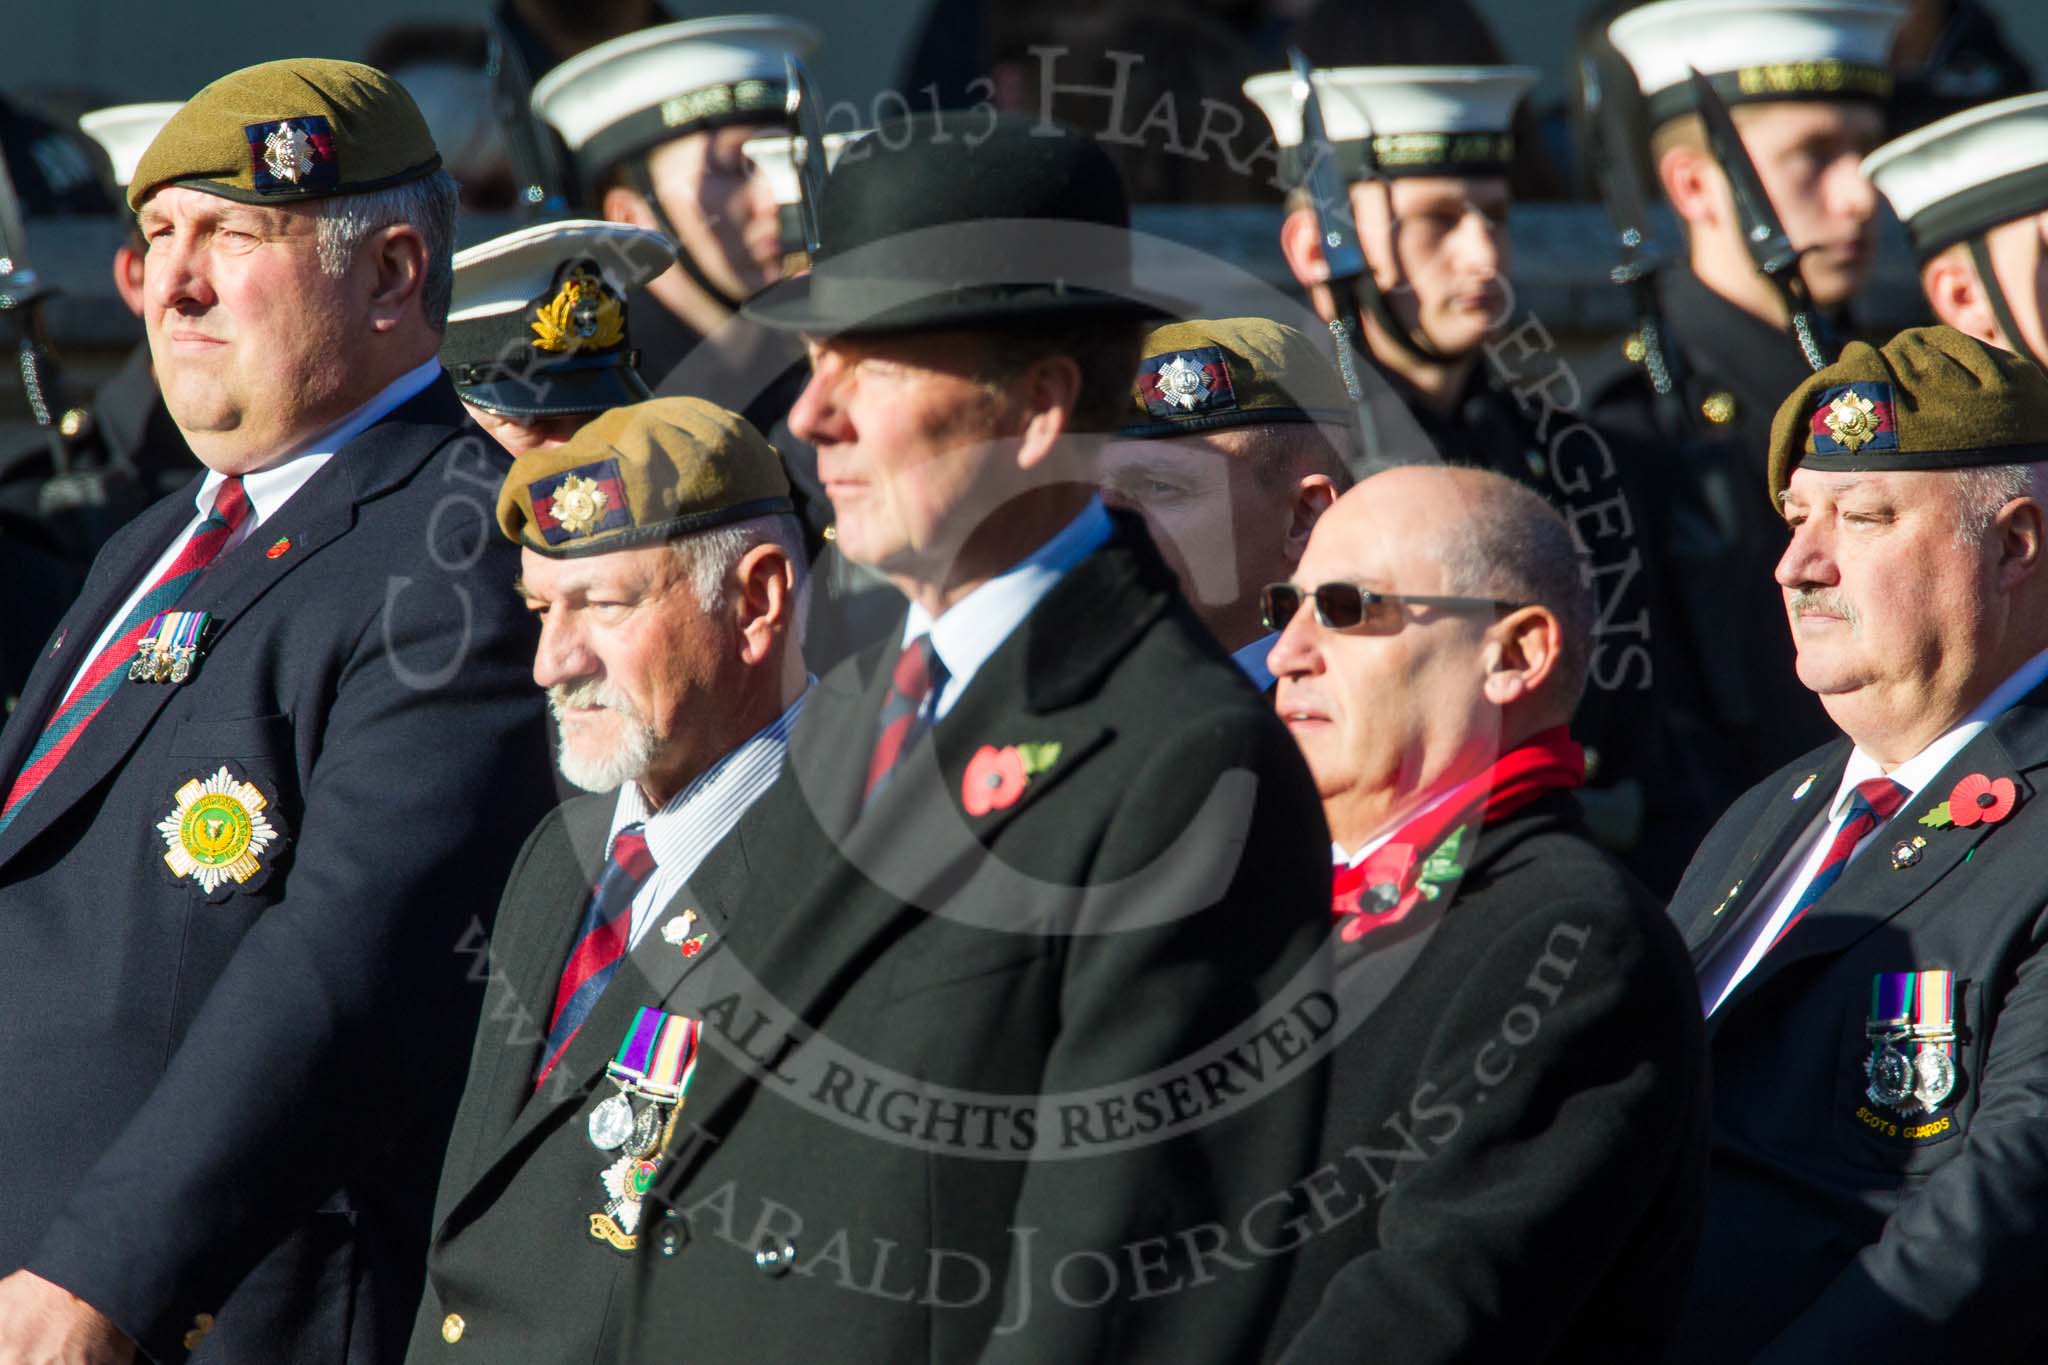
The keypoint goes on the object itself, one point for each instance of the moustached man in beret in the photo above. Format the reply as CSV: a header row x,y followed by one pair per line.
x,y
1044,855
1866,923
268,776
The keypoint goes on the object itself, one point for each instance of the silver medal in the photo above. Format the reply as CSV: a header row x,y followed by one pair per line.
x,y
611,1123
1891,1077
646,1132
1934,1076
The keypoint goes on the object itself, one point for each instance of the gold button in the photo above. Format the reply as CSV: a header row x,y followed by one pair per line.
x,y
201,1325
1718,407
451,1328
1634,349
73,421
832,533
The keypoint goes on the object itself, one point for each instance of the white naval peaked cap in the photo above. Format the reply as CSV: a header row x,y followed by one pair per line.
x,y
507,273
776,155
126,130
1970,171
1758,50
626,95
1423,120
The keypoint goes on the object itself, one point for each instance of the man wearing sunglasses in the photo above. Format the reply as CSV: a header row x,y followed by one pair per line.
x,y
1972,191
1515,1148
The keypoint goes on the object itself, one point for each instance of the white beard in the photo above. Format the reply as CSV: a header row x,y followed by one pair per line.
x,y
626,761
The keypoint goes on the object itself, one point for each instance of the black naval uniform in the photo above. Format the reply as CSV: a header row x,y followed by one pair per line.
x,y
1839,1228
129,454
1719,537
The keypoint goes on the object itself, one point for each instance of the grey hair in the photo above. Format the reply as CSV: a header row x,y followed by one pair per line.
x,y
1981,494
710,557
426,204
1516,547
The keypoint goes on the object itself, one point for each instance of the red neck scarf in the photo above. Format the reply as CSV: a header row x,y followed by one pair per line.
x,y
1419,861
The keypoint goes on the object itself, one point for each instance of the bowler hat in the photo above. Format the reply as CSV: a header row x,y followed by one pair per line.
x,y
964,220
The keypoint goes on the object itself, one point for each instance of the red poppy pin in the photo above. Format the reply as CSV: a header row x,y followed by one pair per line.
x,y
278,547
995,777
1976,800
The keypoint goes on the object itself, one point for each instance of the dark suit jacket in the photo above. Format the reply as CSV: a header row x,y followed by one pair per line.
x,y
512,1253
1838,1229
249,1088
956,1086
1516,1155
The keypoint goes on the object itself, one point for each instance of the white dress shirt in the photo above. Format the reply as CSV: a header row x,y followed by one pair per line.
x,y
692,822
1736,959
268,490
974,628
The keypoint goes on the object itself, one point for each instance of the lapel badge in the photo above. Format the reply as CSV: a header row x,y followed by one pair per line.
x,y
216,831
678,929
995,778
278,547
1804,787
62,636
1906,852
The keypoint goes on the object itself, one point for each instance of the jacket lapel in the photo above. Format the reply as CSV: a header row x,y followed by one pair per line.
x,y
1872,890
650,975
385,454
105,589
914,847
1799,801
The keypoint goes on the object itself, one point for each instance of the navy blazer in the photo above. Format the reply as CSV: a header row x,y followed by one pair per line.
x,y
231,1103
1840,1227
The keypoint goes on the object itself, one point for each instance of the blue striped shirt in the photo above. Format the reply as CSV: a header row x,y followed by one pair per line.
x,y
683,831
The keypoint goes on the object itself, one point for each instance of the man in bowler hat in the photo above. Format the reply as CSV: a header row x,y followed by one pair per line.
x,y
1045,859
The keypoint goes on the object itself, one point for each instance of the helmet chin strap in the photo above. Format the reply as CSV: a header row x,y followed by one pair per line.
x,y
1373,301
2001,309
643,185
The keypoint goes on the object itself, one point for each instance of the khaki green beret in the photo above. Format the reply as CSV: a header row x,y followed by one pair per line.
x,y
638,475
1932,398
1232,372
303,128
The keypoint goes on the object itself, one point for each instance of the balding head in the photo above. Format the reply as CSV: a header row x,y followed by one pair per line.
x,y
1386,713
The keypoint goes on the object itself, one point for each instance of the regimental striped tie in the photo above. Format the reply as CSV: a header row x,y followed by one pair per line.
x,y
918,674
1876,801
89,695
600,942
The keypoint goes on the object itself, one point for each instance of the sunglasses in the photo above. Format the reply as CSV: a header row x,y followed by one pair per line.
x,y
1346,606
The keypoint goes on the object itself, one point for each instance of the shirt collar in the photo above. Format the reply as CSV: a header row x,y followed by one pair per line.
x,y
270,488
760,752
1921,769
973,628
1252,659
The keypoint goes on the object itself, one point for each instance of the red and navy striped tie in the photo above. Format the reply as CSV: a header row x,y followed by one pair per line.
x,y
89,695
919,672
1876,801
600,941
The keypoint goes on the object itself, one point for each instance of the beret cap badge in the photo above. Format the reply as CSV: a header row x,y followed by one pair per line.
x,y
292,155
578,504
1186,381
1849,419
